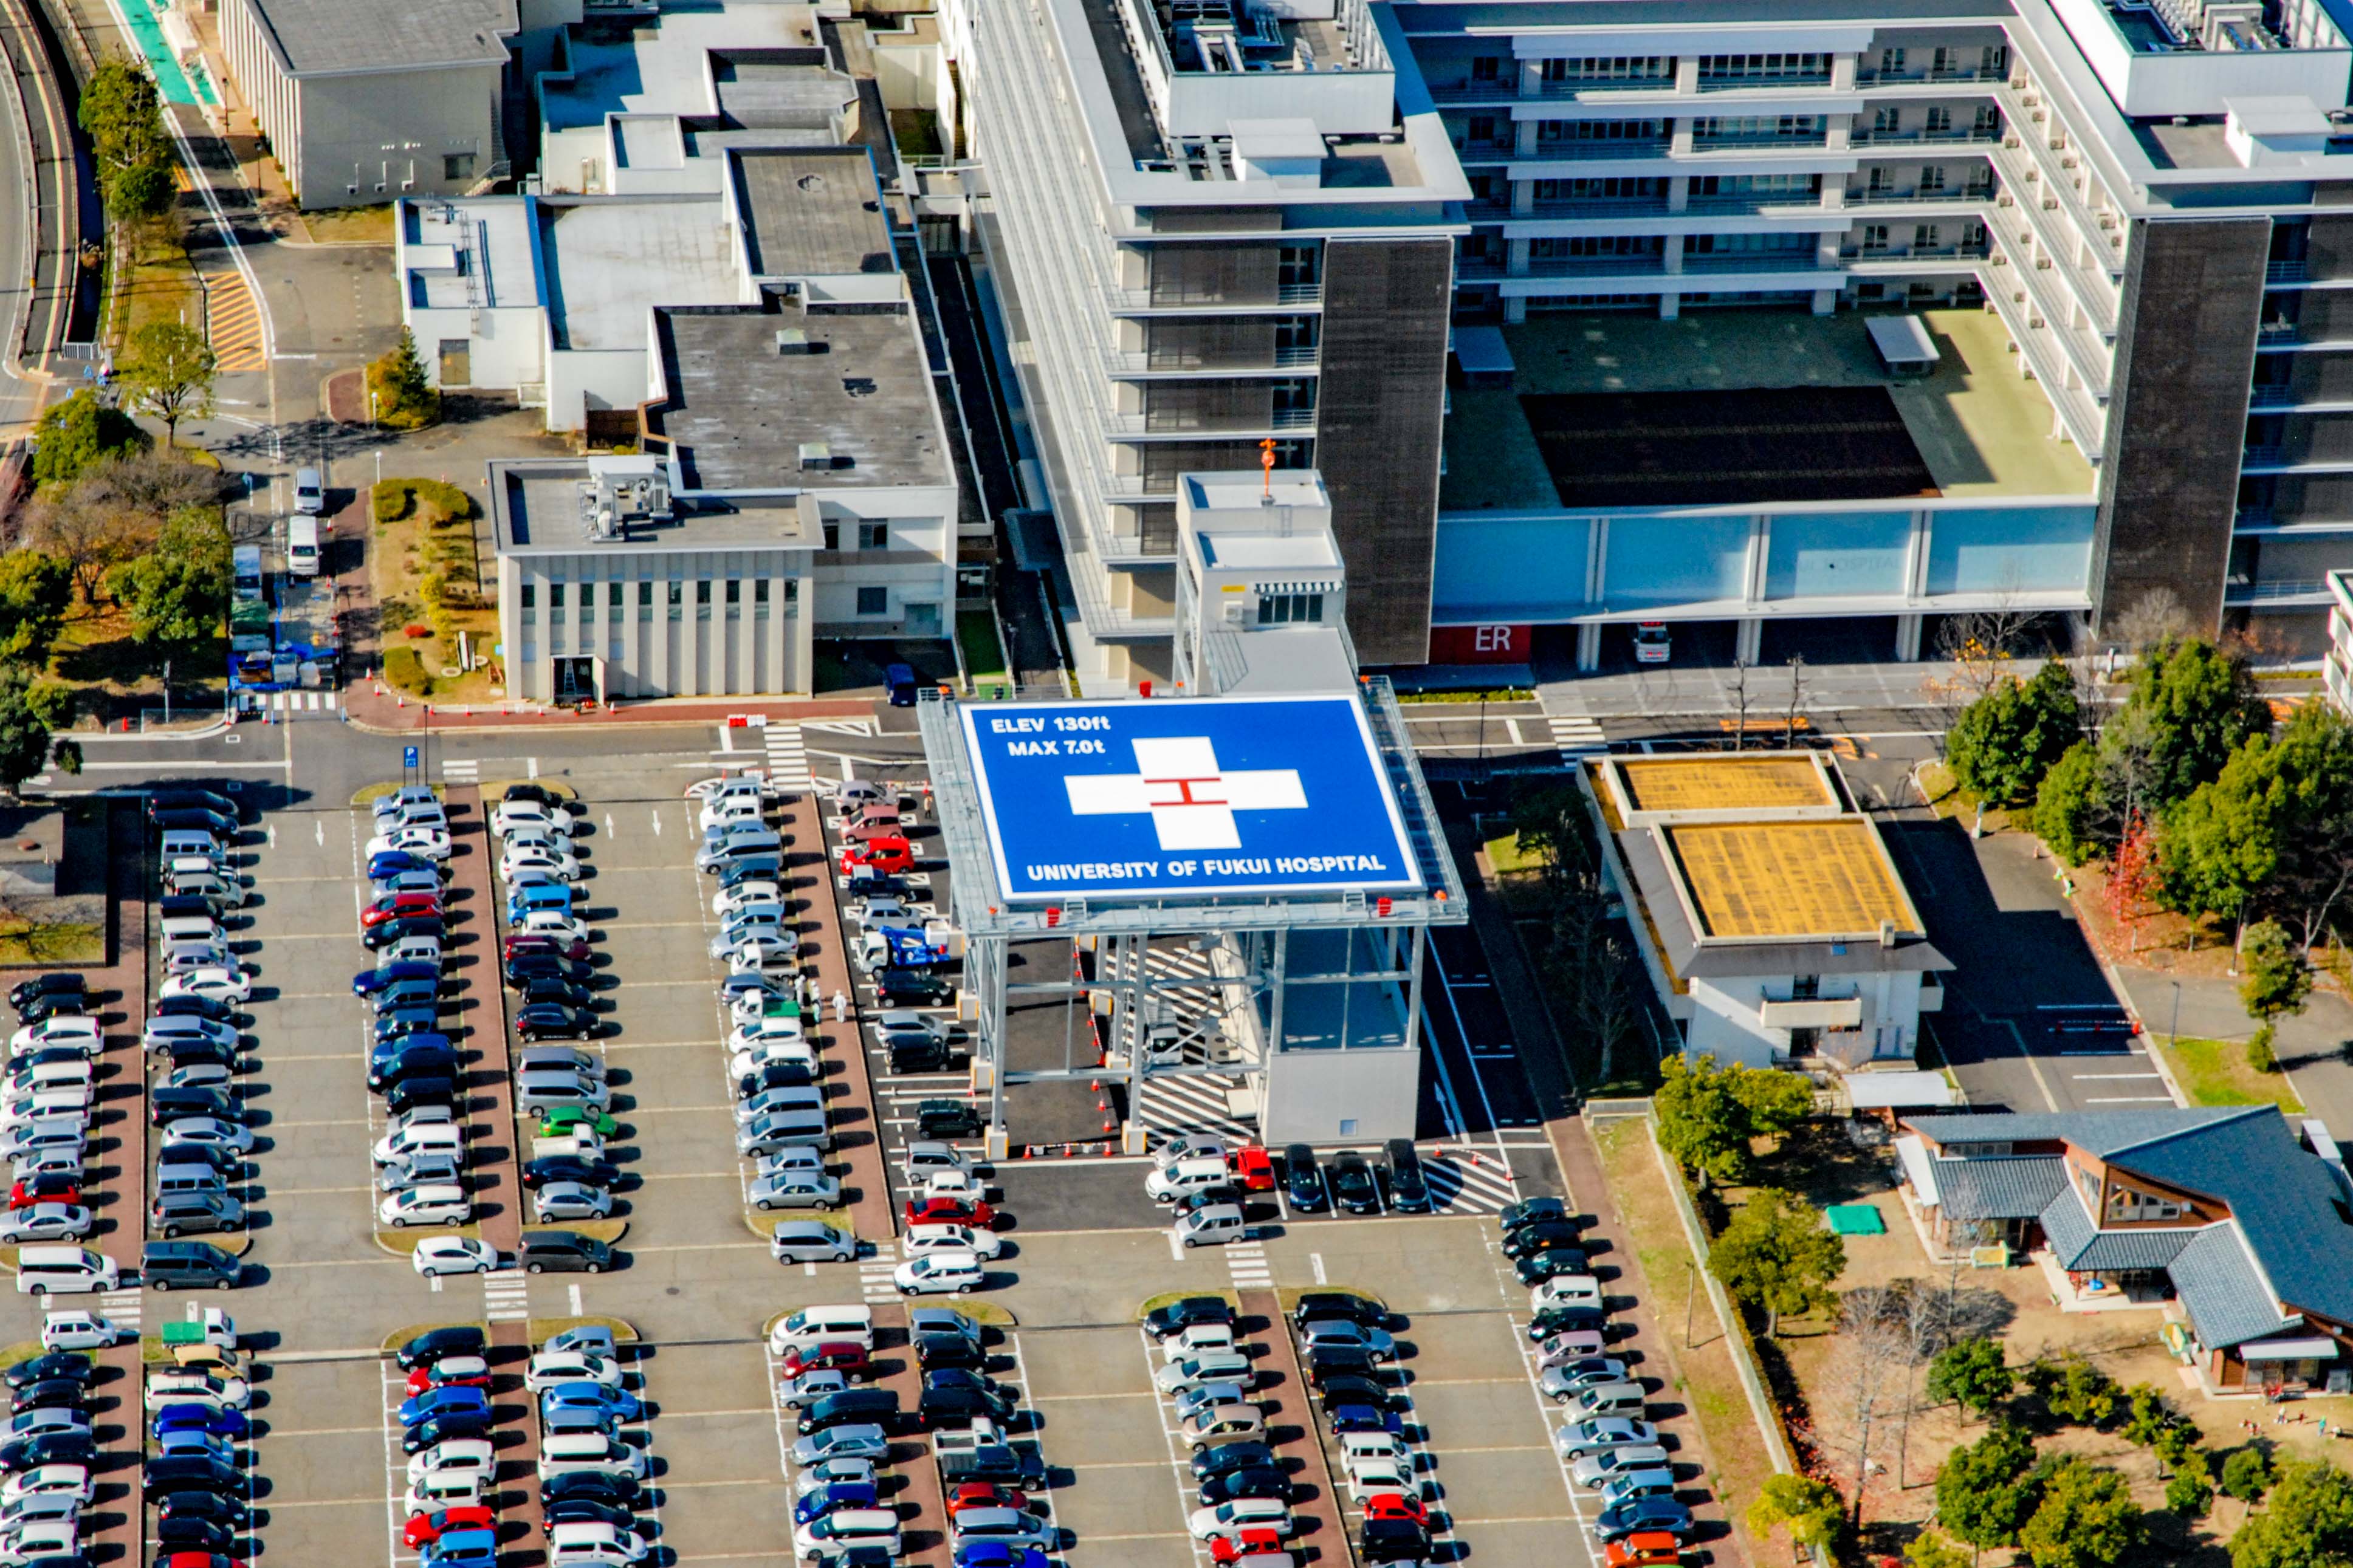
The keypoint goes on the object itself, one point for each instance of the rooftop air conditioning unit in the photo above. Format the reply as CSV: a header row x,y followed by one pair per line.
x,y
792,341
817,455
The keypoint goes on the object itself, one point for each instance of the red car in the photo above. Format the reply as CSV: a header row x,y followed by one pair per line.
x,y
1395,1505
889,854
399,906
1645,1548
451,1372
46,1187
949,1211
572,948
198,1559
846,1357
1253,1169
1248,1543
985,1494
424,1529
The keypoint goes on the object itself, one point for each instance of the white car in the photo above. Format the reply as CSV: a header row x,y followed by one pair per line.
x,y
183,957
551,922
161,1032
727,810
457,1457
1242,1513
1596,1468
74,1329
742,895
1210,1366
784,1048
42,1538
1567,1291
947,1182
453,1255
69,1481
512,816
584,1540
745,1037
210,1131
549,1368
1197,1339
78,1033
180,1385
756,947
922,1239
927,1156
45,1222
938,1273
902,1022
564,866
426,843
562,1452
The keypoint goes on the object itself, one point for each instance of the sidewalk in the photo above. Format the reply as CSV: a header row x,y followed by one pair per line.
x,y
384,710
2315,1047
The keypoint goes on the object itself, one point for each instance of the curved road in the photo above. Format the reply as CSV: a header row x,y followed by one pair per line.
x,y
38,216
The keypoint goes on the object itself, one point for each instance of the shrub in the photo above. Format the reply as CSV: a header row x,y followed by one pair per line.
x,y
2191,1493
406,670
2261,1056
2246,1475
453,504
392,499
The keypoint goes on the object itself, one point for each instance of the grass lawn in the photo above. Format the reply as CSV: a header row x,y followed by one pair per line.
x,y
406,549
1505,855
24,943
161,285
1947,799
349,226
2215,1072
1490,694
983,656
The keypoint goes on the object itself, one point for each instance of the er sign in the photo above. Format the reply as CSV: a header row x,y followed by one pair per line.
x,y
1194,797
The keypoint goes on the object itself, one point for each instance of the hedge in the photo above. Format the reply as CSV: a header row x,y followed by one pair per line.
x,y
406,670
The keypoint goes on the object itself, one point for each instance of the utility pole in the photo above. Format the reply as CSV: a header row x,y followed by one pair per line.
x,y
1691,1301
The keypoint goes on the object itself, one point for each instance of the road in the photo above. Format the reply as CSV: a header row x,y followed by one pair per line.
x,y
38,228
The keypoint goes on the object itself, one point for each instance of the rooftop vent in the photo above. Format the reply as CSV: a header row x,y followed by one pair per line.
x,y
820,454
812,182
858,385
796,341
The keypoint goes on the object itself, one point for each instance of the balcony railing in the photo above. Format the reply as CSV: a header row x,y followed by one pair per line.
x,y
1753,202
1570,208
2297,272
1504,91
1761,83
1651,147
1816,140
1491,152
1867,136
1144,299
1922,78
1596,266
2277,588
1822,1013
1855,198
1753,261
1912,252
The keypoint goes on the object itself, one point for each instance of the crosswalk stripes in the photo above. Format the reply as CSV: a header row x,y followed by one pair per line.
x,y
1246,1261
1170,1106
461,771
232,322
303,702
121,1308
1458,1185
506,1296
787,757
1576,735
875,1282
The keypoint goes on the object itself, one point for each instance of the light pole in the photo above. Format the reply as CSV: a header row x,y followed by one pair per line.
x,y
167,692
2173,1029
1691,1301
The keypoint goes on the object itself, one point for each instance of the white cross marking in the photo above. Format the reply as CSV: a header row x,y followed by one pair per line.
x,y
1191,800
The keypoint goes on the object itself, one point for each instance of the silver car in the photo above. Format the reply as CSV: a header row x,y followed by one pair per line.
x,y
1339,1334
811,1241
422,1171
1578,1438
1595,1468
796,1190
571,1200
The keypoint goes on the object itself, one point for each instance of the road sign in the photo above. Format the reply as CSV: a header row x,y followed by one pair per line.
x,y
1199,796
408,756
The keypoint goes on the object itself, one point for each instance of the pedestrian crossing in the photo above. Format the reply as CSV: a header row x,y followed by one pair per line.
x,y
788,766
1170,1107
1576,735
232,322
875,1280
121,1308
506,1296
1246,1261
1459,1184
303,702
461,771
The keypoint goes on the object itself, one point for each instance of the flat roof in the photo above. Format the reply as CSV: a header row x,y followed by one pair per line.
x,y
811,212
740,410
663,66
1249,551
1750,880
1202,798
336,36
609,258
1723,784
489,239
1980,428
536,509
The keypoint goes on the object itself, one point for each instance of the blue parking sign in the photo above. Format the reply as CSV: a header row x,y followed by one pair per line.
x,y
408,756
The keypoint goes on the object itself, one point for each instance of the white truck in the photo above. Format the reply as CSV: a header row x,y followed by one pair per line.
x,y
303,545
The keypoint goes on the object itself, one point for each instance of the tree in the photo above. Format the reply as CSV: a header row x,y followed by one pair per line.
x,y
2157,616
1774,1102
1707,1114
2221,845
2086,1519
2277,978
2246,1475
2308,1524
1811,1510
2073,1389
71,436
401,398
35,589
178,592
2146,1415
124,116
1971,1374
1930,1550
2007,740
2067,804
114,510
2267,837
24,732
1874,1346
1983,1493
170,374
2190,1491
1776,1255
2200,704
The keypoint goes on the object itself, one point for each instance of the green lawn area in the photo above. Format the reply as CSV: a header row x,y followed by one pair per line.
x,y
1506,856
983,656
24,943
2215,1072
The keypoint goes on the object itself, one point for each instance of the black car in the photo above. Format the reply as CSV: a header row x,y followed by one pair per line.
x,y
575,1485
193,1264
537,1174
189,1051
1208,1198
537,795
1532,1211
1561,1319
434,1344
964,1377
1328,1361
1256,1480
553,1021
394,1025
1326,1306
1185,1312
1536,1237
49,1394
1550,1263
55,984
391,931
537,962
1227,1457
442,1429
211,1009
942,1119
55,1005
187,1532
166,1104
196,819
538,988
1341,1390
563,1251
957,1408
192,800
1393,1541
917,1053
171,1474
411,1062
1408,1187
48,1449
411,1093
228,1162
774,1075
214,1506
1354,1186
588,1511
913,988
943,1351
49,1368
1303,1179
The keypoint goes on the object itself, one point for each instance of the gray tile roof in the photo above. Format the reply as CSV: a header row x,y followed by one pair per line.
x,y
2079,1245
1999,1189
2226,1300
353,35
2103,1132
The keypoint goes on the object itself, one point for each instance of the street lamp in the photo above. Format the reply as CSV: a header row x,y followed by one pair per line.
x,y
2173,1029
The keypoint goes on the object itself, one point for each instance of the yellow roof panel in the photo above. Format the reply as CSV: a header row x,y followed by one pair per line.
x,y
1796,879
1723,783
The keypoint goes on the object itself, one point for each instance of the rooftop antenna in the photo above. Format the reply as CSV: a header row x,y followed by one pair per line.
x,y
1266,463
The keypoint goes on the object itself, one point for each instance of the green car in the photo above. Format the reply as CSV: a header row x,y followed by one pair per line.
x,y
566,1119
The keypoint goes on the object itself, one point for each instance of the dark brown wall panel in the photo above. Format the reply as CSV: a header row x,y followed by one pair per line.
x,y
1381,399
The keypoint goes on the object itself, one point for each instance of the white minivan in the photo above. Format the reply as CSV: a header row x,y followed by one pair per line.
x,y
64,1270
438,1203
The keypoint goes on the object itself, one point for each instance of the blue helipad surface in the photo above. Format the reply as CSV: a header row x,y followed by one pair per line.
x,y
1201,796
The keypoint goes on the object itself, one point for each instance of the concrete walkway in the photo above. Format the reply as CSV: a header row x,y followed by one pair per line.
x,y
2316,1048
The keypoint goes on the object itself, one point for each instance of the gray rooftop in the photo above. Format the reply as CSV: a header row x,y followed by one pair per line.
x,y
782,90
606,258
2079,1245
1999,1189
2222,1291
811,212
740,410
535,509
319,36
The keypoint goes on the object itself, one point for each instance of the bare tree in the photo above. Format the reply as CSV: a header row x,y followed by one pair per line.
x,y
1797,695
114,510
1872,1359
2153,617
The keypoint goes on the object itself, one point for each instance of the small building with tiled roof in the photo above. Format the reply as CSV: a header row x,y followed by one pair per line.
x,y
2238,1226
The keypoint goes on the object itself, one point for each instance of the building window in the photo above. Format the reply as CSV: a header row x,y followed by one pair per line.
x,y
792,595
457,166
645,601
833,536
614,594
1282,609
530,599
873,536
1940,121
760,598
702,598
676,599
555,596
1486,68
873,601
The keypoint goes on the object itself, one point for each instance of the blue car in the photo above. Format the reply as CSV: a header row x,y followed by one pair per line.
x,y
200,1418
554,896
464,1549
617,1406
998,1554
899,680
368,981
1364,1418
393,861
185,1444
460,1400
832,1496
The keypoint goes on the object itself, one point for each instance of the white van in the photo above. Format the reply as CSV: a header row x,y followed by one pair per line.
x,y
64,1270
78,1031
847,1527
443,1489
821,1325
423,1137
245,569
37,1076
71,1329
302,546
1187,1177
459,1459
1212,1226
67,1102
561,1452
437,1203
190,927
188,843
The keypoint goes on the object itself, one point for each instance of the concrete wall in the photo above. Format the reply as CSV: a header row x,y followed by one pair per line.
x,y
580,379
375,138
691,650
1308,1092
507,348
1725,1021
